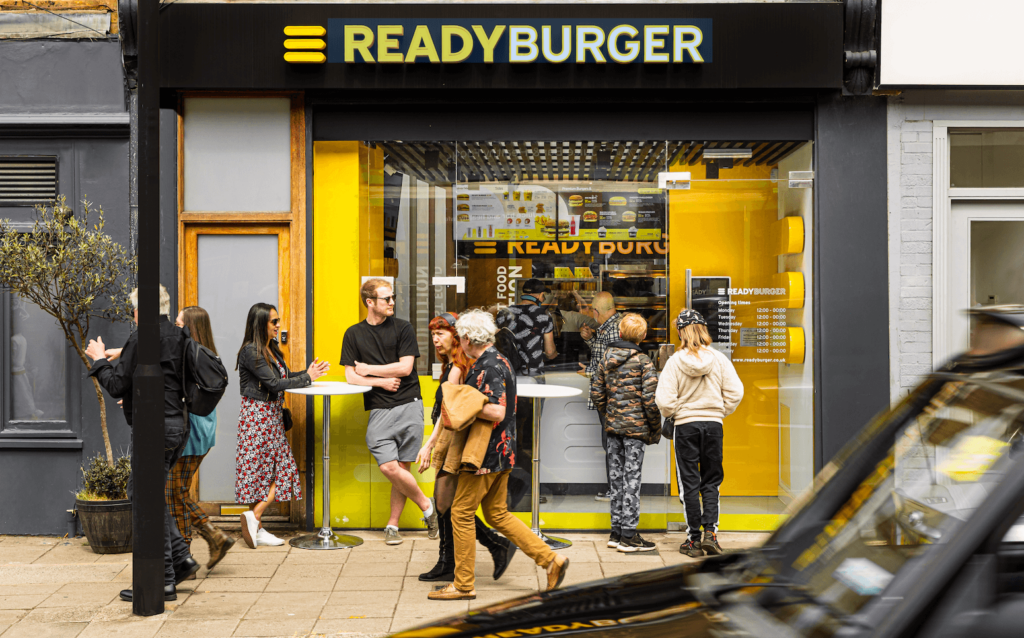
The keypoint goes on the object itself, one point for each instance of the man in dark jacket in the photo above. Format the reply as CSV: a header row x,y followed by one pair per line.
x,y
623,389
117,381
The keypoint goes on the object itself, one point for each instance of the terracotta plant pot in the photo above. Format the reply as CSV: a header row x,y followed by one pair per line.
x,y
107,525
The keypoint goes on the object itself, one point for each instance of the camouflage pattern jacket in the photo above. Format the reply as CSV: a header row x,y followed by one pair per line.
x,y
622,390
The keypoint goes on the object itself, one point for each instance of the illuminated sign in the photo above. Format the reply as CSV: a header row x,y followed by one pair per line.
x,y
490,41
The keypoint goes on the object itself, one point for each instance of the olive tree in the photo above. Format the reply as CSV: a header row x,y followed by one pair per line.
x,y
73,271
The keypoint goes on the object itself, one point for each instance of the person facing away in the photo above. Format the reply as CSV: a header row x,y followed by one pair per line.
x,y
265,468
623,390
493,376
202,436
603,310
455,365
117,380
698,388
381,352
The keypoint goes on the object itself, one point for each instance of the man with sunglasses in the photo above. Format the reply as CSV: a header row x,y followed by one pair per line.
x,y
381,352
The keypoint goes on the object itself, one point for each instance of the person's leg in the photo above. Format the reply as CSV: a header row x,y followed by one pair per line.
x,y
197,517
711,474
445,485
259,508
633,460
175,550
467,498
616,457
607,466
497,516
687,445
172,496
403,485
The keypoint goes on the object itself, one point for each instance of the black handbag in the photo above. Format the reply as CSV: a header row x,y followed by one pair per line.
x,y
286,418
668,429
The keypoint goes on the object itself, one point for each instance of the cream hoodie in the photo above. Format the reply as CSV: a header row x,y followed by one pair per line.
x,y
701,387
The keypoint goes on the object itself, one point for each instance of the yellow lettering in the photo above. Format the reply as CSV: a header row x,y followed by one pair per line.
x,y
578,625
531,248
362,44
644,246
545,46
520,38
661,247
605,247
682,44
447,32
386,41
604,623
514,246
532,632
555,628
625,248
586,247
590,39
422,46
570,247
632,46
652,43
488,41
549,247
508,634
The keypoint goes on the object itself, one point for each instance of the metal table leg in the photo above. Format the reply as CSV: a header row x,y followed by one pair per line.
x,y
552,541
326,538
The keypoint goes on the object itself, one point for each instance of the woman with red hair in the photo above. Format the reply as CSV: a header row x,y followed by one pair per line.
x,y
455,365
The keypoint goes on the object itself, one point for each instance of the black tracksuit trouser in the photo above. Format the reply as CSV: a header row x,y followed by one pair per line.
x,y
698,447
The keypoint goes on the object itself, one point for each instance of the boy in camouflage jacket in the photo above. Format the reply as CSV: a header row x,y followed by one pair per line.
x,y
622,390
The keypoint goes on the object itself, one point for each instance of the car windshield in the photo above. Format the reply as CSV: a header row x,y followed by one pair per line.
x,y
942,465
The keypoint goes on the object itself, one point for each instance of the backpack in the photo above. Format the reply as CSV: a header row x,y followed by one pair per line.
x,y
204,378
506,343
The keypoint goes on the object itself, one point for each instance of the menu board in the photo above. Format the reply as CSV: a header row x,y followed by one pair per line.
x,y
537,213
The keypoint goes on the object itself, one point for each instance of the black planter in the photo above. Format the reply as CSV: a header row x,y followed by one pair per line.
x,y
107,525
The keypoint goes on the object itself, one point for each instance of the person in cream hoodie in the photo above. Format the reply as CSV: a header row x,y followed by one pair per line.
x,y
697,390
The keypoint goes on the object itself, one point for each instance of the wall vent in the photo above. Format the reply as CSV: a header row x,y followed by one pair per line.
x,y
26,181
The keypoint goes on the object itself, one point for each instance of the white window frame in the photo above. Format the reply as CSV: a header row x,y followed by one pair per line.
x,y
943,196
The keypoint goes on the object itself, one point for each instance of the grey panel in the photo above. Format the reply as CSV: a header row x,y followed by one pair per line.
x,y
237,154
228,297
62,77
38,500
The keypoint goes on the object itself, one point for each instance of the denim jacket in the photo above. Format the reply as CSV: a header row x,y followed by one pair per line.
x,y
258,380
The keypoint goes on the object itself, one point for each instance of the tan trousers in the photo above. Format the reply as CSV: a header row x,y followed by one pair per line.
x,y
488,491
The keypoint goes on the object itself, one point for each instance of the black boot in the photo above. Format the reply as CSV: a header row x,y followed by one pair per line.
x,y
445,567
501,549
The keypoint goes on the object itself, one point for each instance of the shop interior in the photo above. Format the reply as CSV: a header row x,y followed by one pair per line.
x,y
732,241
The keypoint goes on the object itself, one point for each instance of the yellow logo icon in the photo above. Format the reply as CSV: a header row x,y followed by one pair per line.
x,y
307,50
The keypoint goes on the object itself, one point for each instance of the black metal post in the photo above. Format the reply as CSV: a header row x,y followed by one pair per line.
x,y
148,419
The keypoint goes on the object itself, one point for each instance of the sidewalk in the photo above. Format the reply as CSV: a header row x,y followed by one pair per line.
x,y
51,587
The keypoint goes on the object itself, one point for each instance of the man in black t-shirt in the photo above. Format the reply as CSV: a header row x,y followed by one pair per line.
x,y
381,352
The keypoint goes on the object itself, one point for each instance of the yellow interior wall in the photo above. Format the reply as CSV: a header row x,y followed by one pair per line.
x,y
722,228
348,232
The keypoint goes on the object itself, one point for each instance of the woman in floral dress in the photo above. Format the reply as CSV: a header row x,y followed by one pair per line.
x,y
265,467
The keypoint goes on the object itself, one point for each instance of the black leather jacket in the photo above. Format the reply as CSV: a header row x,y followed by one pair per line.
x,y
257,380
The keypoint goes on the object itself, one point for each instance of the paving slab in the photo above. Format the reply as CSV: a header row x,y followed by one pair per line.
x,y
288,605
197,628
83,594
216,606
115,629
368,583
281,627
232,584
61,574
46,630
238,571
84,613
330,626
22,555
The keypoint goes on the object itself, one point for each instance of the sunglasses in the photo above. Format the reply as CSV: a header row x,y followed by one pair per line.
x,y
276,321
387,299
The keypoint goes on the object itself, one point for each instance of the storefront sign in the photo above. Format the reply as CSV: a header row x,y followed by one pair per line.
x,y
531,248
490,41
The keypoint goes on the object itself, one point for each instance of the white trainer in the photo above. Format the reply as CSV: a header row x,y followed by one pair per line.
x,y
249,528
263,537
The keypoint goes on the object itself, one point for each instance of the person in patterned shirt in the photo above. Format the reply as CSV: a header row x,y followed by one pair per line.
x,y
598,342
487,487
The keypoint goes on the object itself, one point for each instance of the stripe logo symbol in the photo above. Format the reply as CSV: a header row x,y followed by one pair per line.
x,y
305,45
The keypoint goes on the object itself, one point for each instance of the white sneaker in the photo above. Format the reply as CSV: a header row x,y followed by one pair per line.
x,y
263,537
249,528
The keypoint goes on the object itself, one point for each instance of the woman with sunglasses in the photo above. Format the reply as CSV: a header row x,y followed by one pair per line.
x,y
265,467
455,365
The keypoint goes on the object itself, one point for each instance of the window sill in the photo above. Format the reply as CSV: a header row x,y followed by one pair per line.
x,y
41,444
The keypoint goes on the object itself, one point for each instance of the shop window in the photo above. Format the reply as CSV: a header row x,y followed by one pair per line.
x,y
237,154
36,361
986,158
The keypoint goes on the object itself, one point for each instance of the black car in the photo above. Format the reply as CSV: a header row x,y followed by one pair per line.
x,y
912,530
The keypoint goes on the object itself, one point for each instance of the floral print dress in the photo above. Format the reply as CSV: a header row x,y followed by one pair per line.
x,y
263,455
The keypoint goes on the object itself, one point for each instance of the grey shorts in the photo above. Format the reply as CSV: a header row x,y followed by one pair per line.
x,y
395,434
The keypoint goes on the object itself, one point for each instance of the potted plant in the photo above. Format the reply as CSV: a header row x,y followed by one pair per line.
x,y
67,266
103,507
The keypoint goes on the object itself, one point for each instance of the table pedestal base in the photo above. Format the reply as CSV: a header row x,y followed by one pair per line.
x,y
326,539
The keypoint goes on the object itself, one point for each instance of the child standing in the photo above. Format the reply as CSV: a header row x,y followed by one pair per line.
x,y
622,390
699,388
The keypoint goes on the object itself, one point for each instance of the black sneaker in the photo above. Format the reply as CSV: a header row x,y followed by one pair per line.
x,y
614,539
636,543
691,548
710,544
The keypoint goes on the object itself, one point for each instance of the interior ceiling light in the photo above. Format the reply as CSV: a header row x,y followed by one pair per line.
x,y
727,153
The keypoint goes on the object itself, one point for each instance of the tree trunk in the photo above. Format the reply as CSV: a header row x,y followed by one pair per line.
x,y
103,420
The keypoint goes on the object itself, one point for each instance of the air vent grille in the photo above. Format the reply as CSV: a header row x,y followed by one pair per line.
x,y
25,181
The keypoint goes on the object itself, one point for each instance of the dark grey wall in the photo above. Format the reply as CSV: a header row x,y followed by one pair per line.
x,y
851,335
41,475
57,76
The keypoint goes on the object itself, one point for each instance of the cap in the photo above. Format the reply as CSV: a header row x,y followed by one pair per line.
x,y
687,317
531,286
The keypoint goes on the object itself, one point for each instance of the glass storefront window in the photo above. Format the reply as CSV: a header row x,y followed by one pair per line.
x,y
38,364
586,217
986,158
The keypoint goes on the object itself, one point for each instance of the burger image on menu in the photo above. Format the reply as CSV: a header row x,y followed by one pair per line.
x,y
462,217
590,216
462,207
629,216
575,200
463,197
617,201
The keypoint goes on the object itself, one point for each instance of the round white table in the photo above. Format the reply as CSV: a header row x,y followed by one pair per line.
x,y
530,389
326,538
